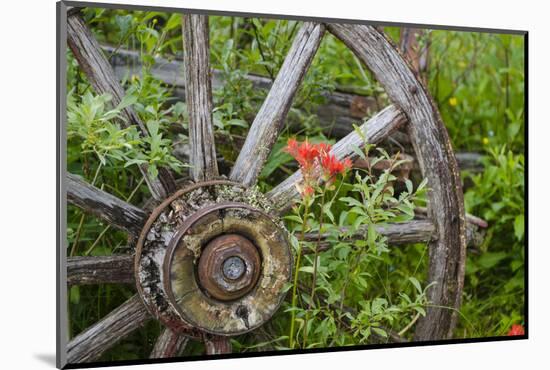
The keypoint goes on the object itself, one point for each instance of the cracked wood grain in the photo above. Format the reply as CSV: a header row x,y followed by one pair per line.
x,y
100,270
397,234
105,206
169,344
94,341
198,89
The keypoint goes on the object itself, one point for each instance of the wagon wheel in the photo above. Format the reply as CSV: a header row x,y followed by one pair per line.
x,y
211,258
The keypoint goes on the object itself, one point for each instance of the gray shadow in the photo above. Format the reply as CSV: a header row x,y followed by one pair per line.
x,y
47,358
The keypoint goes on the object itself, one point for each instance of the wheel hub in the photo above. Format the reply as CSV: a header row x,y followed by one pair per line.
x,y
229,267
213,258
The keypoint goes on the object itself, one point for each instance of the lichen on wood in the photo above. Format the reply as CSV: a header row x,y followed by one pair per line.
x,y
171,244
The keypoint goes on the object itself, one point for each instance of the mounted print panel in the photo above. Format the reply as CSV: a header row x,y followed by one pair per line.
x,y
244,185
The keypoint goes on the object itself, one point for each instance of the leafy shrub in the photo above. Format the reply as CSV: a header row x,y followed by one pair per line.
x,y
495,277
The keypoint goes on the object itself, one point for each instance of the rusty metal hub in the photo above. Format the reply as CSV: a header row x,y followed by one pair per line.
x,y
229,267
213,258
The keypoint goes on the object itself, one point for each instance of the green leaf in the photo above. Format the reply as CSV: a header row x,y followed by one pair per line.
x,y
74,295
123,22
173,22
308,269
127,101
409,185
294,218
380,332
358,151
420,310
277,158
491,259
238,123
519,225
416,284
351,201
152,171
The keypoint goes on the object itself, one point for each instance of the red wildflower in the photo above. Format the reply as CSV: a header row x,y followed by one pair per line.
x,y
309,156
516,330
305,153
292,147
332,166
308,190
324,148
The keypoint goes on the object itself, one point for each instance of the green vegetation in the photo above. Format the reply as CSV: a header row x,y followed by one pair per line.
x,y
369,291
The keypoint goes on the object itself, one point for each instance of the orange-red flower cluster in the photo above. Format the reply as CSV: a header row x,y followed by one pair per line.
x,y
310,157
332,166
516,330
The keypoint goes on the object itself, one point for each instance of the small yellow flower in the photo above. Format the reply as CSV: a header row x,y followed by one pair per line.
x,y
485,141
453,101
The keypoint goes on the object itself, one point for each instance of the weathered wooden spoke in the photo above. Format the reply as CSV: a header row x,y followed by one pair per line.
x,y
438,164
199,97
104,205
397,234
94,341
270,118
169,344
217,345
100,270
374,130
416,231
90,57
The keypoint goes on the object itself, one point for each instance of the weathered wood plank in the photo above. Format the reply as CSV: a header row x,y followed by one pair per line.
x,y
100,270
402,233
104,205
270,118
99,72
416,231
199,97
438,164
90,344
169,344
374,130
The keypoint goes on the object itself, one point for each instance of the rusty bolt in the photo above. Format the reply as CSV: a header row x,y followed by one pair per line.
x,y
229,267
233,267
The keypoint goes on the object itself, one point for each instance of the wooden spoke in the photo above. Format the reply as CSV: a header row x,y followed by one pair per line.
x,y
438,164
217,345
100,270
199,97
402,233
101,336
104,205
88,53
169,344
374,130
269,120
416,231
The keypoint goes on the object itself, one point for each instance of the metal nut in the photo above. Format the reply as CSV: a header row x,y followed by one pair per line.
x,y
229,267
